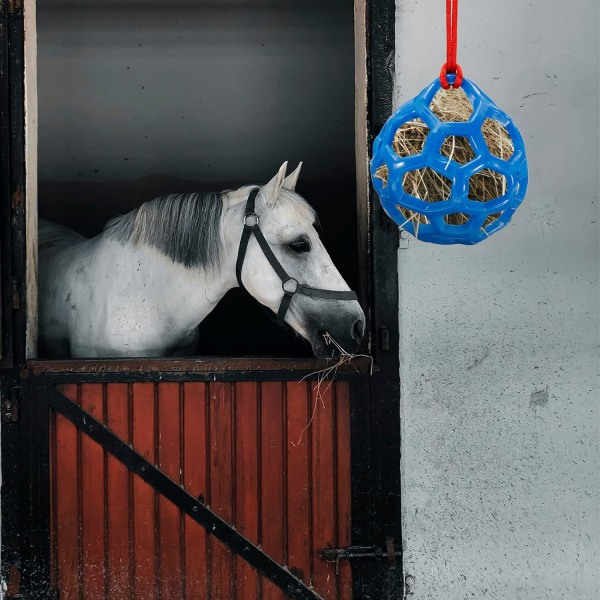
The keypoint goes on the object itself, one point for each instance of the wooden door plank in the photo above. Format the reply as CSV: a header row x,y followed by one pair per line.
x,y
93,499
221,480
299,409
272,492
342,467
52,467
195,481
144,509
169,516
66,482
323,487
119,483
246,482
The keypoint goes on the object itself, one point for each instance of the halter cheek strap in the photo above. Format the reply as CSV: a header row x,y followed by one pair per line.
x,y
289,285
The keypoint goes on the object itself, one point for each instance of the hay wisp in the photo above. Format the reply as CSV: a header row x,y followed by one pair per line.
x,y
328,375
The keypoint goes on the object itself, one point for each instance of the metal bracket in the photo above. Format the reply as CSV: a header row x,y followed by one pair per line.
x,y
16,296
15,7
409,585
404,239
384,339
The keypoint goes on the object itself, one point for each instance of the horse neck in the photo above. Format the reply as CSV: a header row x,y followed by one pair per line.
x,y
183,296
232,224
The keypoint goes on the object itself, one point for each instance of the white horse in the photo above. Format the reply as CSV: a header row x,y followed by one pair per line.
x,y
142,286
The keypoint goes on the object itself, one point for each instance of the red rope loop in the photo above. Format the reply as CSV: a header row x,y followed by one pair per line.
x,y
451,66
458,77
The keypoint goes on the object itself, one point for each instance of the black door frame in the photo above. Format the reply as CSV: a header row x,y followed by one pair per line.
x,y
12,185
375,399
376,509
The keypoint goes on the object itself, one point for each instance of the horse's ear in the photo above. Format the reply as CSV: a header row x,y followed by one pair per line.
x,y
271,190
289,183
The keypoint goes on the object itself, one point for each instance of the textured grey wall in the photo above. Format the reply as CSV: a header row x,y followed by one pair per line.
x,y
499,342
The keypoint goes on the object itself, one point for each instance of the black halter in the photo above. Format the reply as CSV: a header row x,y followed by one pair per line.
x,y
289,285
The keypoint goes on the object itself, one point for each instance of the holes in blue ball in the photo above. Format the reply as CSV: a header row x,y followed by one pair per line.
x,y
486,185
410,215
427,184
456,219
410,138
491,219
497,139
458,148
451,106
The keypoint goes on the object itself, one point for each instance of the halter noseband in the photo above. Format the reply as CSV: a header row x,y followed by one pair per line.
x,y
289,285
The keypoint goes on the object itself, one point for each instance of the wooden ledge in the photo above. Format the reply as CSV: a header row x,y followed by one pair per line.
x,y
205,365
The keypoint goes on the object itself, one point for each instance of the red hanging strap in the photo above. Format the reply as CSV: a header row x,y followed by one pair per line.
x,y
451,66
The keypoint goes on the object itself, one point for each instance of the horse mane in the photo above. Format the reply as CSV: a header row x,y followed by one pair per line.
x,y
184,227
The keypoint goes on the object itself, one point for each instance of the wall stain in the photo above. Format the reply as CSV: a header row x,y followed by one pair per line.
x,y
479,360
539,398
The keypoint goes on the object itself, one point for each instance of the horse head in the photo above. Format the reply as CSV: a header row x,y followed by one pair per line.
x,y
289,269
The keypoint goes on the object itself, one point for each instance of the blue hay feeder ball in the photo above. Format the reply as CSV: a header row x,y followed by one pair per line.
x,y
483,218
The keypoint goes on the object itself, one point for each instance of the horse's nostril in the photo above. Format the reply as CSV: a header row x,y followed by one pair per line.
x,y
358,329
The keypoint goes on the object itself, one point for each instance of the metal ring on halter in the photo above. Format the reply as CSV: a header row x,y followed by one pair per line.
x,y
294,285
253,218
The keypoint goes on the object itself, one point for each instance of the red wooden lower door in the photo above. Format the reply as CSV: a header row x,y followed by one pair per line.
x,y
271,458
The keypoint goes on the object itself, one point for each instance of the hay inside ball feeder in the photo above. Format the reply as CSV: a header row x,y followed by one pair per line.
x,y
430,185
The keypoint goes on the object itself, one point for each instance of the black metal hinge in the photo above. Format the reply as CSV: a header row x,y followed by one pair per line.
x,y
52,594
334,555
11,405
384,339
16,296
14,7
13,587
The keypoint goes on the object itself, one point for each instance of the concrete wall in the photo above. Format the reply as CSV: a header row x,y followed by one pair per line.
x,y
499,342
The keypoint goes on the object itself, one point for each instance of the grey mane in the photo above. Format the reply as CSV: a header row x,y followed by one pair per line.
x,y
184,227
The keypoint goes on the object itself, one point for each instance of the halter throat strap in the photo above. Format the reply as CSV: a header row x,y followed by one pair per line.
x,y
289,285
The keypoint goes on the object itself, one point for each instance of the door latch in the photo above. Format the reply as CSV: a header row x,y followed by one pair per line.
x,y
335,555
10,406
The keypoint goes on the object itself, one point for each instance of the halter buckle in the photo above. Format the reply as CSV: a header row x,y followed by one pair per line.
x,y
290,286
251,220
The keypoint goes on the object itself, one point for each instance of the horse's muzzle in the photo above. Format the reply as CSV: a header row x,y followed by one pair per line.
x,y
337,329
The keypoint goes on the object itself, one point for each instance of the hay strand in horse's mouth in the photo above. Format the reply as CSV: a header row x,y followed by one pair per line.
x,y
328,374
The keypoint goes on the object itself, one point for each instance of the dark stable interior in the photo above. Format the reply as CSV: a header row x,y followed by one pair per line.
x,y
141,98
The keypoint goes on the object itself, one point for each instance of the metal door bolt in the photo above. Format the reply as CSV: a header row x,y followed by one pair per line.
x,y
409,585
404,237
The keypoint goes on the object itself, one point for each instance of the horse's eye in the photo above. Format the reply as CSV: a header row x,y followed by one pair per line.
x,y
300,246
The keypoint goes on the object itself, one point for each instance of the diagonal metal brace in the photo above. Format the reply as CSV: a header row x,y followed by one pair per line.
x,y
214,525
